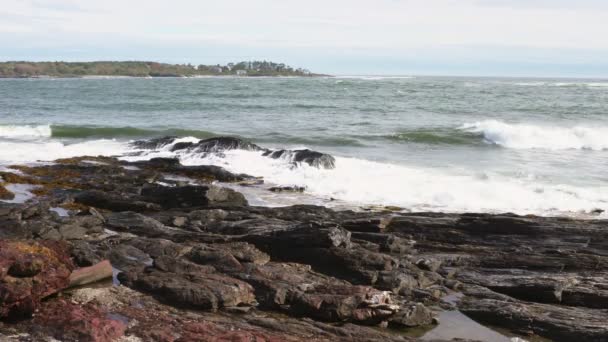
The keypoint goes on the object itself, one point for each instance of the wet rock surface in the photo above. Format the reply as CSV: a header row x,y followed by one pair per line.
x,y
222,144
195,262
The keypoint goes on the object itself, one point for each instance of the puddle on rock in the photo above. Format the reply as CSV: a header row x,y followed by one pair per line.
x,y
22,192
454,324
60,211
115,272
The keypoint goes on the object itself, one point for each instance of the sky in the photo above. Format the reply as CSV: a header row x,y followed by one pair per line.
x,y
401,37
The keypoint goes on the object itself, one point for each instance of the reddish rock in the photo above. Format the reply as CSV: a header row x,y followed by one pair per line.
x,y
73,322
30,271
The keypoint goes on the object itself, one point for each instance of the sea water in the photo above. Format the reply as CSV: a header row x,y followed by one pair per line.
x,y
529,146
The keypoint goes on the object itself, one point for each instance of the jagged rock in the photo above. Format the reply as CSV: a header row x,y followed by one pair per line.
x,y
556,322
287,189
529,274
199,172
114,202
429,264
413,315
151,144
84,254
228,256
136,223
371,225
192,196
209,291
312,158
221,144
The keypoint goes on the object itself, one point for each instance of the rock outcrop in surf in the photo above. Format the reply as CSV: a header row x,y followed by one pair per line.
x,y
222,144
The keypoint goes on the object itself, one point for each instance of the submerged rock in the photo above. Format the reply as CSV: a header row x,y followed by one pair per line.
x,y
156,143
222,144
287,189
312,158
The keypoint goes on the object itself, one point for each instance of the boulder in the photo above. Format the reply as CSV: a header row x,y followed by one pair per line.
x,y
29,272
192,196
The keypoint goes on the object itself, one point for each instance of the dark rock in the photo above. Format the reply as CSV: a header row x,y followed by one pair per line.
x,y
181,146
176,197
136,223
209,291
228,257
192,196
198,172
555,322
84,254
371,225
203,247
114,202
152,144
413,315
287,189
312,158
428,264
221,144
127,257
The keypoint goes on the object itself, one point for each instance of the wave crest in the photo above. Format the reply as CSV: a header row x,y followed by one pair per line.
x,y
25,131
529,136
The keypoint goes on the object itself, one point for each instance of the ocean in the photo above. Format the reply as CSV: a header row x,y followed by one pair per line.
x,y
528,146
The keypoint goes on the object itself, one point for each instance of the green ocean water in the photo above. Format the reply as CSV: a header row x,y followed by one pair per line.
x,y
426,143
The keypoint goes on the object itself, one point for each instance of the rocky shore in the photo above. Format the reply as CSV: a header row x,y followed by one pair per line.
x,y
193,261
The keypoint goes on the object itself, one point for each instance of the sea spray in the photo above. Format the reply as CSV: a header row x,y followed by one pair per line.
x,y
534,136
362,182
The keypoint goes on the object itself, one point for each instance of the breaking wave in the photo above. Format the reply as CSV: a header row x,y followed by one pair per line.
x,y
25,131
487,132
354,181
530,136
362,182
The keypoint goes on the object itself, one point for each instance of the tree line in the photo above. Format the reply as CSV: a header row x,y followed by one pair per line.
x,y
146,69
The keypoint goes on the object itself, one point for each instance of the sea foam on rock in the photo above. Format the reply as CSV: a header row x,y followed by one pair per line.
x,y
222,144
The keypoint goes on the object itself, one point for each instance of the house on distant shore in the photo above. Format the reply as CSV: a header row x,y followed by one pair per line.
x,y
241,72
216,69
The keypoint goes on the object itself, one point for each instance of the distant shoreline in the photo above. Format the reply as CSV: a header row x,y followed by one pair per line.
x,y
143,69
101,77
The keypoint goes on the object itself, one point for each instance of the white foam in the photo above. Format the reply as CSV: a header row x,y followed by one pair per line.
x,y
581,84
355,181
363,182
530,136
562,84
530,84
15,152
373,78
25,131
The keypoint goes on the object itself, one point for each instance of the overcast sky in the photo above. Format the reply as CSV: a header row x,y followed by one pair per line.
x,y
453,37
